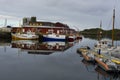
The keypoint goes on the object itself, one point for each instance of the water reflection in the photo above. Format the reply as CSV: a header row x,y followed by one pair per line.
x,y
103,75
36,47
90,66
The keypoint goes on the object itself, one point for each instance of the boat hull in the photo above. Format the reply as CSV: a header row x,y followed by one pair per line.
x,y
71,38
54,38
102,64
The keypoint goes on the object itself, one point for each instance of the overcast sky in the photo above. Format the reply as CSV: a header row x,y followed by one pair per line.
x,y
78,14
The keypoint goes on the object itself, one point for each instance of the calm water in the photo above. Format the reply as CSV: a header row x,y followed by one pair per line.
x,y
48,61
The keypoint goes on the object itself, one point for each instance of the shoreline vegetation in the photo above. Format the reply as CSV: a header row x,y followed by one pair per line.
x,y
94,33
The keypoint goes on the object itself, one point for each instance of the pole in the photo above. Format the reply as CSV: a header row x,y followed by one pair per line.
x,y
113,27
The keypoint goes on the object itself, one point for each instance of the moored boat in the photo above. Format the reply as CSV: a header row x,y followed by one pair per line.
x,y
24,36
86,53
19,33
71,38
54,37
107,64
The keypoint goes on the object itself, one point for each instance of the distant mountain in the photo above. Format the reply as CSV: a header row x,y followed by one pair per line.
x,y
95,33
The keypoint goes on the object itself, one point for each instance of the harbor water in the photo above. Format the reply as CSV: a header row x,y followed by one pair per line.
x,y
33,60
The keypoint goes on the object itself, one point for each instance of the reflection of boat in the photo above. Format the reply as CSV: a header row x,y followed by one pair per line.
x,y
106,75
56,45
34,47
23,43
4,42
89,65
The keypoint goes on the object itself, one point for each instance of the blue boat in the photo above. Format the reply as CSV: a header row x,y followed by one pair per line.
x,y
54,37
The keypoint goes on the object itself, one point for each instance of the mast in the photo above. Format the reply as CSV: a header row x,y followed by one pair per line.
x,y
113,27
99,31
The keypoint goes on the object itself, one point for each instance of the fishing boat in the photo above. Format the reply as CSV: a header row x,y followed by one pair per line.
x,y
54,37
23,34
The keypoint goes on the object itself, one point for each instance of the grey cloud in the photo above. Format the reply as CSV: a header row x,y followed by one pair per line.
x,y
73,12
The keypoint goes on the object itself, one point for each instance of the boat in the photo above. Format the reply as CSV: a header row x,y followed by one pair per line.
x,y
24,35
86,53
109,62
88,56
71,38
106,63
54,37
29,44
78,36
102,45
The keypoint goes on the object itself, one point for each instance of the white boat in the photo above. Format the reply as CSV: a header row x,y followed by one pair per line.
x,y
103,43
106,45
54,37
24,36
